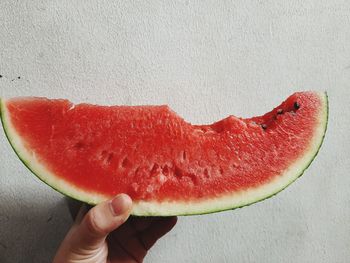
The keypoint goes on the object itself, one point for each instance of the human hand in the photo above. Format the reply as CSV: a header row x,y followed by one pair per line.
x,y
104,234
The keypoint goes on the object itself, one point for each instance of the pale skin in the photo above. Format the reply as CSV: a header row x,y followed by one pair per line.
x,y
106,234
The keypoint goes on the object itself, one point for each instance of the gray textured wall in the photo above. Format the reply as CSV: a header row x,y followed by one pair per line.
x,y
206,59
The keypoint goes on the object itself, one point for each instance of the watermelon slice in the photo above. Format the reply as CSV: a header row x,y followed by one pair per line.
x,y
167,165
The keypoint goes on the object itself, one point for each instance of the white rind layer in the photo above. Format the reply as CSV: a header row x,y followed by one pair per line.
x,y
152,208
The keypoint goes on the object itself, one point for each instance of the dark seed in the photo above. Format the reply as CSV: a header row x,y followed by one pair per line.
x,y
279,111
296,105
19,77
263,126
0,76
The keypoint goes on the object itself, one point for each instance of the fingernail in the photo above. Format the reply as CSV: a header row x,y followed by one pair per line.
x,y
120,204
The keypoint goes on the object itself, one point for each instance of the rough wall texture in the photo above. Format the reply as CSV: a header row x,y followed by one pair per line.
x,y
206,59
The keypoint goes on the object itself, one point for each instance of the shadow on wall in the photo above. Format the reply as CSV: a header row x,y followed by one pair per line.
x,y
32,230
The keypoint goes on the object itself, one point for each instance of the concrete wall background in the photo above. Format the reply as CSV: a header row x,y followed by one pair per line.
x,y
206,59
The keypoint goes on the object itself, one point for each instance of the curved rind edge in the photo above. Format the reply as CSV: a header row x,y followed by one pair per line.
x,y
38,169
315,147
143,208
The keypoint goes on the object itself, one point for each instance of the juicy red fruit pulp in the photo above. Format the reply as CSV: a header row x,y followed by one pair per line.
x,y
150,153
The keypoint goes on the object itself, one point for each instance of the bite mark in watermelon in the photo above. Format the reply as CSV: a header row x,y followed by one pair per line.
x,y
167,165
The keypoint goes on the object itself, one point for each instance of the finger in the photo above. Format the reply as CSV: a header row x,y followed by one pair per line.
x,y
73,206
141,223
80,214
158,229
101,220
116,252
127,238
128,235
130,245
133,226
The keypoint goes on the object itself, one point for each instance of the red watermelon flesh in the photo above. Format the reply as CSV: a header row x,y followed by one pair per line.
x,y
166,165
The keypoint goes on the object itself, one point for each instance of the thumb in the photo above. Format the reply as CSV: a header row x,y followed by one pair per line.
x,y
102,219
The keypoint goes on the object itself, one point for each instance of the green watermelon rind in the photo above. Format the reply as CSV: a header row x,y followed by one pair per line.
x,y
72,194
300,174
144,208
309,157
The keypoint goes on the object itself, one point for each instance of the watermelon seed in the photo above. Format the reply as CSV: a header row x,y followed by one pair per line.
x,y
280,111
296,105
221,170
263,126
